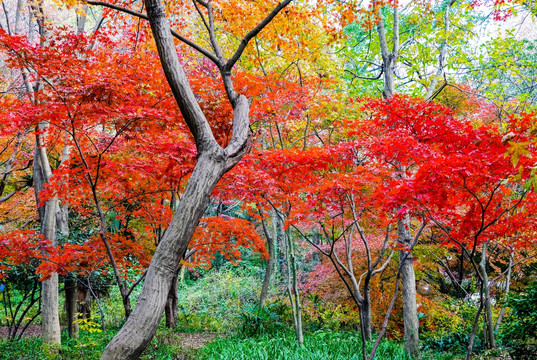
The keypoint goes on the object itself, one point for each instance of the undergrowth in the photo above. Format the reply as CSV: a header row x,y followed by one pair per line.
x,y
283,346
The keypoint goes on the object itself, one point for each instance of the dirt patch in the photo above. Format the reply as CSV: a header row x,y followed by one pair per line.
x,y
189,343
195,340
31,331
189,340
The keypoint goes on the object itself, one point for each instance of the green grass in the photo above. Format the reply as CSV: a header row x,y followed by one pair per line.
x,y
89,346
322,345
25,349
317,346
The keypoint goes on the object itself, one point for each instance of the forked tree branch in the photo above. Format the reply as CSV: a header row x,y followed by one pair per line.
x,y
252,33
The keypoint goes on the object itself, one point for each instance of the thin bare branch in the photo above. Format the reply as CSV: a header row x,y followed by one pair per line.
x,y
181,38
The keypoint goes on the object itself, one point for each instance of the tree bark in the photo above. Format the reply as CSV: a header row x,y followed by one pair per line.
x,y
389,58
472,334
213,161
81,20
489,326
292,289
506,290
408,279
281,246
50,318
460,289
71,296
408,284
142,324
84,302
170,310
182,274
366,315
269,268
70,283
442,54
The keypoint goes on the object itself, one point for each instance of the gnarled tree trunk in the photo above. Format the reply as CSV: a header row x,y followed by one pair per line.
x,y
142,324
213,161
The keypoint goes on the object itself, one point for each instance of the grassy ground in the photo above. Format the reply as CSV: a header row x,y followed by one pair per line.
x,y
170,345
317,346
220,303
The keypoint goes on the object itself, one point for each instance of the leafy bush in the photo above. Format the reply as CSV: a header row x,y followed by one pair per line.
x,y
519,331
448,327
325,315
215,302
455,343
257,320
19,298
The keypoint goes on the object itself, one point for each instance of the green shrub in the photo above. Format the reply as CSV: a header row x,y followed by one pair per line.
x,y
453,323
455,343
325,315
519,330
215,302
257,320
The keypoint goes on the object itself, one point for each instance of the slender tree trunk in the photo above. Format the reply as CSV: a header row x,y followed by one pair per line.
x,y
292,289
281,246
18,12
408,278
408,284
126,302
472,334
81,20
489,326
182,274
71,296
70,283
50,319
170,310
506,291
460,290
268,272
316,239
84,302
442,53
389,58
366,315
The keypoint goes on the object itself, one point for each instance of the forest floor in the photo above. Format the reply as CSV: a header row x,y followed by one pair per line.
x,y
186,346
191,340
32,330
189,343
